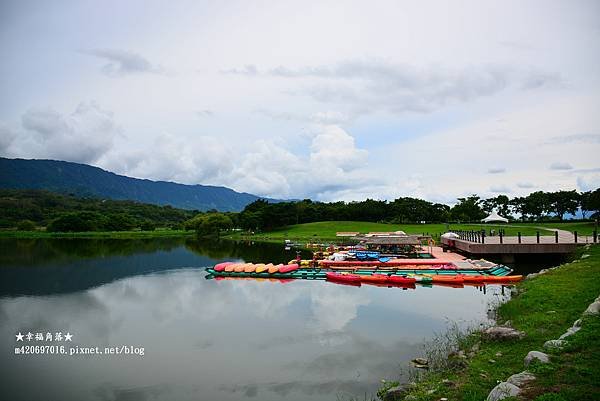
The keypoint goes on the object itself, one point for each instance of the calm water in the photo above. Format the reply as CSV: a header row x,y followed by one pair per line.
x,y
205,339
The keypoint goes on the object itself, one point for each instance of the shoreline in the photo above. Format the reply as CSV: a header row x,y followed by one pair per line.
x,y
96,234
543,307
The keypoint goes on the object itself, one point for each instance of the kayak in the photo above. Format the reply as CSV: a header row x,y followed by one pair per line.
x,y
240,267
401,280
249,268
288,268
343,277
391,263
219,267
374,278
229,268
502,279
274,269
438,278
263,268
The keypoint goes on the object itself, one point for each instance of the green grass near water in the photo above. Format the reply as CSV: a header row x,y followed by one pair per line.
x,y
545,307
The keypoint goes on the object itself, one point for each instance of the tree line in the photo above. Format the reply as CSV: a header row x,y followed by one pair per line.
x,y
537,206
31,209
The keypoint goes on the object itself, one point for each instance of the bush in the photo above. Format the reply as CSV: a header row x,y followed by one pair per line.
x,y
26,225
76,222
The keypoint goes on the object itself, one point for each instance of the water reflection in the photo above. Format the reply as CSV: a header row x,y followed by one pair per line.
x,y
209,339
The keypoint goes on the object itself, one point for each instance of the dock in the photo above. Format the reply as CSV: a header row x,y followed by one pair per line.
x,y
477,243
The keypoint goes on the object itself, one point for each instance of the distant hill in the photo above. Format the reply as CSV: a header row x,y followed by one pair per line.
x,y
85,180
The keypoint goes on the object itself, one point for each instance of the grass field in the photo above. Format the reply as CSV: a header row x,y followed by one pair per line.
x,y
326,230
546,306
96,234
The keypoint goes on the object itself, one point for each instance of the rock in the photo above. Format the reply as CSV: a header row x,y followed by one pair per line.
x,y
448,383
577,323
503,390
593,309
503,333
551,312
585,256
536,355
491,360
396,393
420,361
483,375
521,379
532,275
508,323
475,347
498,353
410,397
555,344
429,392
570,331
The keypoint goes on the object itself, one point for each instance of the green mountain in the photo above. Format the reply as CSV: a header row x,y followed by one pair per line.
x,y
88,181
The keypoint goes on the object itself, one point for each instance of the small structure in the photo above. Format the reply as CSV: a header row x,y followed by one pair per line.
x,y
347,233
494,218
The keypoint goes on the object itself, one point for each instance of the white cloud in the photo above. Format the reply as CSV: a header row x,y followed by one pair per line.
x,y
496,170
500,189
525,185
123,62
372,85
561,166
83,136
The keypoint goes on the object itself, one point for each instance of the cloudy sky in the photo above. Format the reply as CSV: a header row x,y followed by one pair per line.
x,y
328,100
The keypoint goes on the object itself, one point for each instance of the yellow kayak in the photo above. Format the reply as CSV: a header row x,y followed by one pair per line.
x,y
263,268
250,268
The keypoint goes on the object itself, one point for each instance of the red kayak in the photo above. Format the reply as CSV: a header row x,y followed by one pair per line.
x,y
374,278
219,267
347,278
401,280
288,268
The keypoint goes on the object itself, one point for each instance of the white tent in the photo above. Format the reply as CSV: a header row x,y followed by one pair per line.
x,y
494,217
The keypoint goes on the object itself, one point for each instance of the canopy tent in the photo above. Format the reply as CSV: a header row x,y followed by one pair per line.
x,y
494,217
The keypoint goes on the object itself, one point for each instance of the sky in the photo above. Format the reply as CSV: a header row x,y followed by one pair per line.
x,y
299,99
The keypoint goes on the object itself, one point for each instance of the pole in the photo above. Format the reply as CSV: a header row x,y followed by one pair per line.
x,y
519,235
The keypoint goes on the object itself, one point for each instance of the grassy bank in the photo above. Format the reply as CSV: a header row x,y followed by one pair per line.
x,y
326,230
97,234
545,307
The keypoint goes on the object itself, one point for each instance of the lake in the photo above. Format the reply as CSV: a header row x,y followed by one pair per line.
x,y
204,339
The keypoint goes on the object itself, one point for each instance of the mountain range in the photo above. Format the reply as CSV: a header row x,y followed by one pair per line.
x,y
89,181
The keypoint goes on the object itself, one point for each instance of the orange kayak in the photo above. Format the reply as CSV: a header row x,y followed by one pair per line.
x,y
401,280
250,267
438,278
288,268
275,269
240,268
502,279
229,268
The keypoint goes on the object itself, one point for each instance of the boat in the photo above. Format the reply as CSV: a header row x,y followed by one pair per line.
x,y
249,268
374,278
240,267
288,268
263,268
274,268
440,278
219,267
402,280
490,279
231,267
343,277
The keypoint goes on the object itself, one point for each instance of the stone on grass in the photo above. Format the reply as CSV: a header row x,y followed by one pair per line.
x,y
585,256
593,309
503,333
570,331
397,392
555,344
521,379
537,356
577,323
503,390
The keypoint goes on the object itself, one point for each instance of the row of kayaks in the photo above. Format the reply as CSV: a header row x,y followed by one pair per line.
x,y
365,275
270,268
460,279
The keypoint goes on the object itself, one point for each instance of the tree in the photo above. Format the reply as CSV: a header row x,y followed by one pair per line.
x,y
26,225
76,222
467,209
562,202
209,223
593,203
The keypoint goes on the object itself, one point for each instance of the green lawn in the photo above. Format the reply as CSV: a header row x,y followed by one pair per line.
x,y
96,234
545,308
326,230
